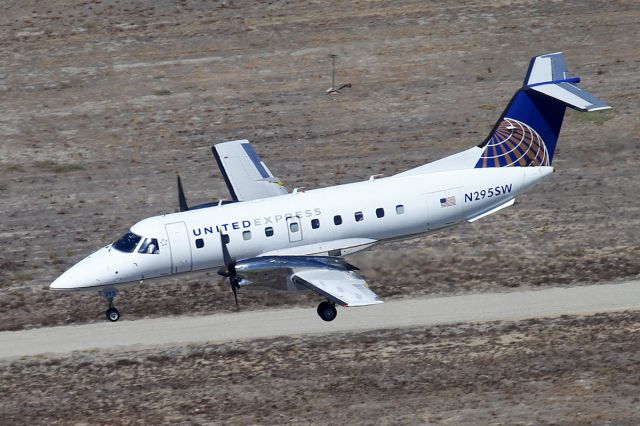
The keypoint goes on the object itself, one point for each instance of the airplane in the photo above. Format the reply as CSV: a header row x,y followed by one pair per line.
x,y
269,238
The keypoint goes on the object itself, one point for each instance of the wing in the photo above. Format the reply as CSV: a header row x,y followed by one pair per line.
x,y
246,176
346,288
331,277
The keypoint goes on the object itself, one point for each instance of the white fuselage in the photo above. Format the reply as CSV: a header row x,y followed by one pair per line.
x,y
333,221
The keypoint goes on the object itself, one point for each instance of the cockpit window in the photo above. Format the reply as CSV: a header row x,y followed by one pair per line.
x,y
149,246
127,243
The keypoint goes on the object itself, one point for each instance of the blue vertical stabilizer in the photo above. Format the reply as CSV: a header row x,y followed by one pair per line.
x,y
527,132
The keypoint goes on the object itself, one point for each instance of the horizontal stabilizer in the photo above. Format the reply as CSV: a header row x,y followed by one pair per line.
x,y
548,75
571,95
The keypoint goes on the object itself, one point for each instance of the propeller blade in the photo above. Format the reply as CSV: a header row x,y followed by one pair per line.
x,y
228,261
182,201
235,293
229,270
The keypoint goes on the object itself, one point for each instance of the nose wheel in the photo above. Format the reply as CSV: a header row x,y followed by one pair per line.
x,y
327,311
112,313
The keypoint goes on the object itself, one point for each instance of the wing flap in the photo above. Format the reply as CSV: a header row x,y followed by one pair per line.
x,y
246,176
330,276
346,288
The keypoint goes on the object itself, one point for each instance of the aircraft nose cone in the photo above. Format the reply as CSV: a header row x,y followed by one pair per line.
x,y
72,278
89,272
59,283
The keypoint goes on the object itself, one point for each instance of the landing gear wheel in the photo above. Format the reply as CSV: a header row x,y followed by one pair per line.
x,y
327,311
112,314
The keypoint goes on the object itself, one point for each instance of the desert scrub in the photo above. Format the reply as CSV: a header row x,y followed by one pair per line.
x,y
21,276
13,167
55,167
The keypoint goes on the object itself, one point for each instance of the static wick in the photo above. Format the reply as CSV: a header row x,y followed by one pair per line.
x,y
333,90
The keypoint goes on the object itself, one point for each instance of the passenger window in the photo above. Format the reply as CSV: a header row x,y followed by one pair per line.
x,y
149,246
337,219
246,235
315,223
379,212
400,209
359,216
294,226
225,239
199,243
268,231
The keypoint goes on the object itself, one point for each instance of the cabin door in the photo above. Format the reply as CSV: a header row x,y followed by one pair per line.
x,y
294,228
179,246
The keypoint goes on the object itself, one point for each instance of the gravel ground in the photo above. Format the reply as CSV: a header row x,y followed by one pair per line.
x,y
101,103
568,370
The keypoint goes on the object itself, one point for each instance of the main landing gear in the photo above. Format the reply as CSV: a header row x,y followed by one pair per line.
x,y
112,313
327,311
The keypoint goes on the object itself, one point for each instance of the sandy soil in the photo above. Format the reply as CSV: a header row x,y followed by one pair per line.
x,y
570,370
102,103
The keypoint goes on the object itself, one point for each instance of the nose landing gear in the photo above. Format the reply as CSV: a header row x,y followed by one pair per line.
x,y
112,313
327,311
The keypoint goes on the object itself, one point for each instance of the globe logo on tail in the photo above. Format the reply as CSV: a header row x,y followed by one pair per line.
x,y
514,143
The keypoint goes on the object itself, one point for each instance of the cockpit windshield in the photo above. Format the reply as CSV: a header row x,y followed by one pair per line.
x,y
128,242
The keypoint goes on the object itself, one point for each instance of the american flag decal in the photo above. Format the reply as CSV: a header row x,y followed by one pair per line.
x,y
448,202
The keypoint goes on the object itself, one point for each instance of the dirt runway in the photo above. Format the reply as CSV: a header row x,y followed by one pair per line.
x,y
517,305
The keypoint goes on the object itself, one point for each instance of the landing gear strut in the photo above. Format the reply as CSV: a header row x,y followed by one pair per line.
x,y
112,313
327,311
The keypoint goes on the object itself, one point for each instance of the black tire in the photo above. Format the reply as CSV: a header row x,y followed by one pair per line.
x,y
113,314
327,311
321,307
